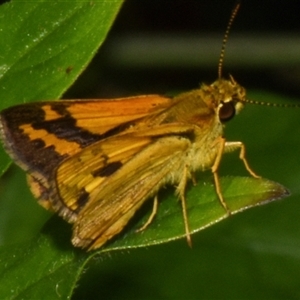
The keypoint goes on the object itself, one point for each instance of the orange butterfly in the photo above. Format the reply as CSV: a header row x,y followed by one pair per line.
x,y
95,162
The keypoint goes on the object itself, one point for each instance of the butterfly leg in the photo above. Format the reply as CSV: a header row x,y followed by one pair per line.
x,y
231,146
228,147
214,170
194,180
151,217
181,192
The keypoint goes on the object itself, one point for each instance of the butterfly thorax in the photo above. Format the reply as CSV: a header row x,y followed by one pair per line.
x,y
206,110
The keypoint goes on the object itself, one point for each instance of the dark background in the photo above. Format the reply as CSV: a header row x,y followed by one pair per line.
x,y
264,23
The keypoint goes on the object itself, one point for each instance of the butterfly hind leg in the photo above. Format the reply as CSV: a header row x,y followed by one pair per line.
x,y
151,217
181,192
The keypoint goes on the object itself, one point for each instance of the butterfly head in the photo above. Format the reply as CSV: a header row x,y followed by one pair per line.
x,y
230,98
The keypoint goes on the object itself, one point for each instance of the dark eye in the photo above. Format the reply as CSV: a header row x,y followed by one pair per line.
x,y
227,111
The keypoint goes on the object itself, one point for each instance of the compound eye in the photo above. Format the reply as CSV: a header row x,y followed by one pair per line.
x,y
226,111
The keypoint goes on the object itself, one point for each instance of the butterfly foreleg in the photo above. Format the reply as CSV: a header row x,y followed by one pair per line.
x,y
228,147
231,146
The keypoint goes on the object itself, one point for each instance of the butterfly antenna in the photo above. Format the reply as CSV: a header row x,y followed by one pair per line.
x,y
232,17
273,104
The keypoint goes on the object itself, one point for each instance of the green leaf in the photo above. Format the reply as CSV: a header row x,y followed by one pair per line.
x,y
38,270
203,209
51,255
45,45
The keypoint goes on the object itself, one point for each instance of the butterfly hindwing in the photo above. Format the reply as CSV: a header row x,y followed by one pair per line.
x,y
111,201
